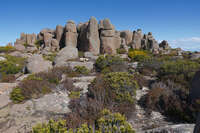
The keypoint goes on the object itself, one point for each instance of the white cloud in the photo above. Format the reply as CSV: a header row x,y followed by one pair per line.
x,y
191,44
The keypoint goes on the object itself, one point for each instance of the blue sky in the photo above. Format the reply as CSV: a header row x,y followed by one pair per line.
x,y
177,21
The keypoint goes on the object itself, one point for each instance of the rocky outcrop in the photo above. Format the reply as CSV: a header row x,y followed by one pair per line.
x,y
25,41
110,39
67,53
127,36
89,36
60,35
71,34
36,64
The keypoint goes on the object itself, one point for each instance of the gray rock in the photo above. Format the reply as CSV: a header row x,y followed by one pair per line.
x,y
36,64
67,53
5,89
93,36
164,44
2,58
106,25
90,55
88,39
88,65
19,118
179,128
127,35
70,26
59,33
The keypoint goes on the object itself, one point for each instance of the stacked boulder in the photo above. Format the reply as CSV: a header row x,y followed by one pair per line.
x,y
25,41
110,38
47,40
88,39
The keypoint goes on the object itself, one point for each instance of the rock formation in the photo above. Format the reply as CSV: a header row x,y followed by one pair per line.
x,y
91,36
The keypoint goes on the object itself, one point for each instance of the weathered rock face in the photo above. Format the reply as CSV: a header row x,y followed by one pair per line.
x,y
88,39
71,34
27,40
59,34
137,39
36,64
93,36
65,54
127,35
110,39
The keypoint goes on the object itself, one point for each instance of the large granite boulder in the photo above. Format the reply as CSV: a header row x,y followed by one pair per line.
x,y
59,33
127,35
109,38
36,64
65,54
71,34
93,36
137,39
88,39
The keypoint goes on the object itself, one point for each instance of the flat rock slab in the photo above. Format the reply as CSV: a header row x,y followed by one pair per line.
x,y
179,128
5,89
84,79
19,118
55,103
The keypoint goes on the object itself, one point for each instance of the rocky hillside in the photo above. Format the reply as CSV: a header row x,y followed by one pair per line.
x,y
90,77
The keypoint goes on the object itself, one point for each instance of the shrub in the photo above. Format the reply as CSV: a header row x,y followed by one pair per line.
x,y
110,63
116,89
80,54
108,122
16,95
81,70
8,78
50,57
138,55
121,50
169,99
38,43
11,66
6,49
179,71
37,85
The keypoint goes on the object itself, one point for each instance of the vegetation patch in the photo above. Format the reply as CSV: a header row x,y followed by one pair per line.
x,y
110,63
37,85
6,49
109,122
11,66
81,70
138,55
50,57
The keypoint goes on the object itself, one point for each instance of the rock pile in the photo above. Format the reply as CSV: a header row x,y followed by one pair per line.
x,y
92,36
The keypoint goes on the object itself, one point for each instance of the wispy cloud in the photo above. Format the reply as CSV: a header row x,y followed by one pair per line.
x,y
191,44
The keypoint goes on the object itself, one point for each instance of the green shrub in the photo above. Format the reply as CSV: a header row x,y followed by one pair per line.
x,y
12,65
179,71
121,51
74,94
50,57
81,70
110,122
117,89
16,95
80,54
110,63
6,49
